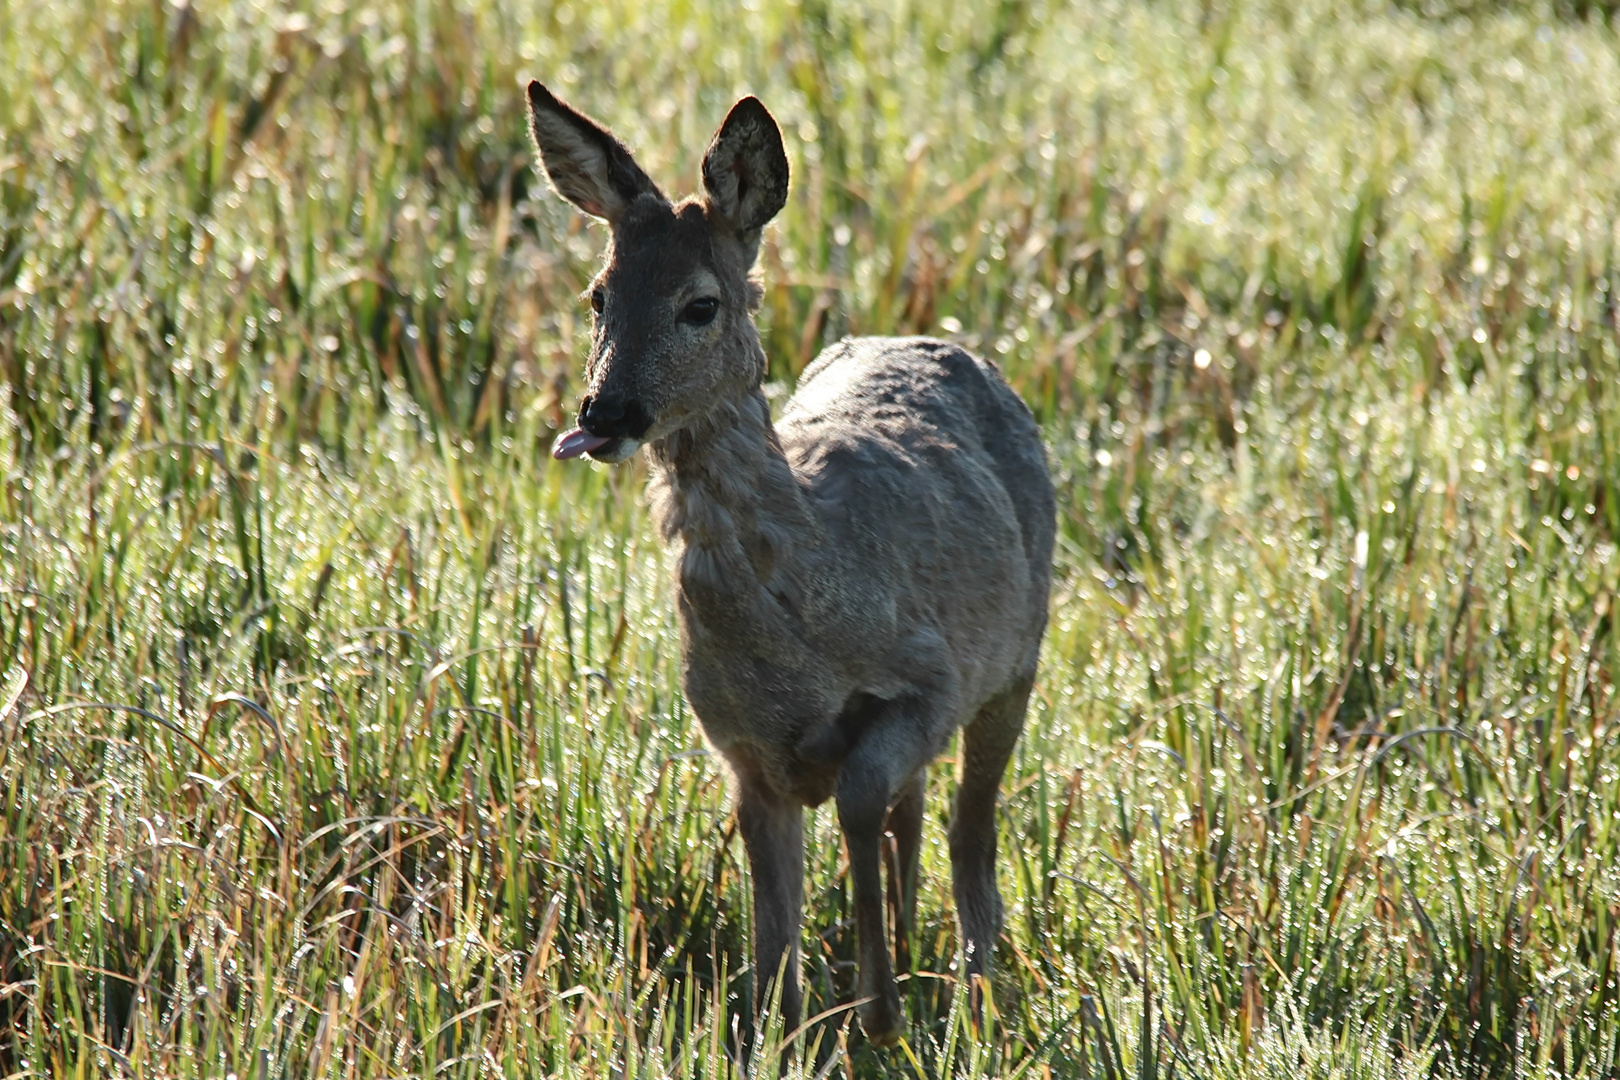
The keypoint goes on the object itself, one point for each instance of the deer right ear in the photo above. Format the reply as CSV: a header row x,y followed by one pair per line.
x,y
587,166
745,171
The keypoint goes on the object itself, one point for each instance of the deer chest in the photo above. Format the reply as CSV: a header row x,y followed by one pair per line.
x,y
757,711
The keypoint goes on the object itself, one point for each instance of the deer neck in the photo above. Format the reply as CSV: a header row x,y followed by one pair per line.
x,y
726,495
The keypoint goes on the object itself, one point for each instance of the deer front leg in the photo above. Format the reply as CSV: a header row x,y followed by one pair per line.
x,y
773,832
880,764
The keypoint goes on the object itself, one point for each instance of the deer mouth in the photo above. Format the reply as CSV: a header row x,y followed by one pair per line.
x,y
610,428
614,451
603,448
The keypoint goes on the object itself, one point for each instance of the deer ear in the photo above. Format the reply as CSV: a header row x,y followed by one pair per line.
x,y
745,172
587,165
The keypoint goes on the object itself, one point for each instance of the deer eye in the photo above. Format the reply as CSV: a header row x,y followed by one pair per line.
x,y
700,312
596,300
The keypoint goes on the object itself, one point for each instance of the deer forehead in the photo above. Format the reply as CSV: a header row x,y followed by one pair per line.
x,y
669,254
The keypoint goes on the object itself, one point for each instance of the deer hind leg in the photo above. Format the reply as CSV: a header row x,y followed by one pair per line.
x,y
773,832
905,825
987,745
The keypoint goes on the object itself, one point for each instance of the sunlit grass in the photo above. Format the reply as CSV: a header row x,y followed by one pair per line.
x,y
341,732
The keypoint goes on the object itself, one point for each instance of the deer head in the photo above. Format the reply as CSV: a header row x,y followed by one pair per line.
x,y
673,333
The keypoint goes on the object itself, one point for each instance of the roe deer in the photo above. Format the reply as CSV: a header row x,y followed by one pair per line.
x,y
855,583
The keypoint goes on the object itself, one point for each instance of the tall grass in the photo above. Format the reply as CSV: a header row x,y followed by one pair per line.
x,y
341,732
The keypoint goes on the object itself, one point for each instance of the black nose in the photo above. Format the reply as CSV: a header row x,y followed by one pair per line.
x,y
614,416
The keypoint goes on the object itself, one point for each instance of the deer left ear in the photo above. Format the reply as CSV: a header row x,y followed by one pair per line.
x,y
586,164
745,171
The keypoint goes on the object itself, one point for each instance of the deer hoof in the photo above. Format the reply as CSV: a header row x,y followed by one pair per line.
x,y
881,1019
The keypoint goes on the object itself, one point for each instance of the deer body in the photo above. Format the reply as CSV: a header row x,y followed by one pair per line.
x,y
855,584
894,541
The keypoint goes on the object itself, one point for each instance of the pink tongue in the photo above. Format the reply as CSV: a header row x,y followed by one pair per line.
x,y
574,443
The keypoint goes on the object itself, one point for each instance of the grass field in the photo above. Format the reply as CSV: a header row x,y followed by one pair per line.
x,y
341,731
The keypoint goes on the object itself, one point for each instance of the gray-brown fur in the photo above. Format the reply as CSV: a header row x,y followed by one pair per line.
x,y
857,582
